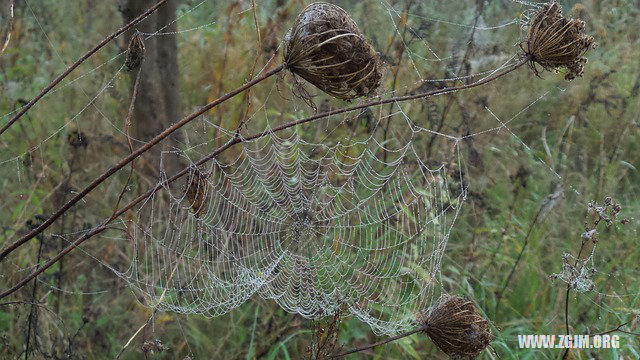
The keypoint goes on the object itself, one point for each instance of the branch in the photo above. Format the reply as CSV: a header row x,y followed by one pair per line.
x,y
130,158
84,57
619,328
9,29
381,342
236,140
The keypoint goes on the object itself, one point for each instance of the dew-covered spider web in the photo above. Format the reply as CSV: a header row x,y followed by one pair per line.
x,y
350,213
316,228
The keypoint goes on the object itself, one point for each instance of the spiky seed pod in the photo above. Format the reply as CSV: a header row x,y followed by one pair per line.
x,y
135,53
557,42
457,328
196,191
326,48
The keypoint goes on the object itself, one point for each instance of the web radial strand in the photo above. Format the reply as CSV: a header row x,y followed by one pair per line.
x,y
313,227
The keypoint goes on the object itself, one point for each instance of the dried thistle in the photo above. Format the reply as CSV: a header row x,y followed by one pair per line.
x,y
457,328
135,53
555,42
196,191
326,48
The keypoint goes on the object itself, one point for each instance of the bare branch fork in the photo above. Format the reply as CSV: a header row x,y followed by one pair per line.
x,y
84,57
236,140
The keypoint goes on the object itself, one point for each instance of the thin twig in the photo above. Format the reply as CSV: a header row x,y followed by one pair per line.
x,y
127,126
619,328
32,313
9,29
84,57
381,342
247,95
236,140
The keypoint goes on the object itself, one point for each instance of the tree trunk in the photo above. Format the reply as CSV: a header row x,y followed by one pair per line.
x,y
157,104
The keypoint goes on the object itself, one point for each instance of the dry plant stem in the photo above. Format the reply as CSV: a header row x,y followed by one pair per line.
x,y
127,125
381,342
224,147
9,29
130,158
619,328
566,299
33,307
247,95
155,310
515,265
77,63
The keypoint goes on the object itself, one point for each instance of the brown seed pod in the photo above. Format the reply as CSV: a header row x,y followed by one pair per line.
x,y
196,191
326,48
557,42
457,328
135,53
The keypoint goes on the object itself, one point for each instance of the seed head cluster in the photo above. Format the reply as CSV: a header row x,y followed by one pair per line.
x,y
135,53
326,48
556,42
457,328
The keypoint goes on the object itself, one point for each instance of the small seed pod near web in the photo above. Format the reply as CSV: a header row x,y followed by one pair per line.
x,y
457,328
135,53
195,191
555,42
326,48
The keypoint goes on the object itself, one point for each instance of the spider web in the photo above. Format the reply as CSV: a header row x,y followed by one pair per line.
x,y
359,224
315,228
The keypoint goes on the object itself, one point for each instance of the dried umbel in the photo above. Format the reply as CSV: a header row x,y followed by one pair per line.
x,y
196,191
555,42
326,48
457,328
135,53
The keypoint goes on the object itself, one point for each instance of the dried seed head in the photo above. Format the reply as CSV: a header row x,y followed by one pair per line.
x,y
326,48
557,42
196,191
457,328
135,53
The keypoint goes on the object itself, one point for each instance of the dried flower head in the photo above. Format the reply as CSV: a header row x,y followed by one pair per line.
x,y
457,328
555,42
196,191
135,53
326,48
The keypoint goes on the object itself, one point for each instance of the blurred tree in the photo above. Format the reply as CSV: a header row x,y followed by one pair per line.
x,y
158,100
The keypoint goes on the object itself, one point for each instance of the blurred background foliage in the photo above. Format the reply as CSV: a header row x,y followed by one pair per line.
x,y
529,182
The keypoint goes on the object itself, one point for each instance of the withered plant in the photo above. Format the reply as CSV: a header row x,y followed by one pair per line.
x,y
326,48
456,327
556,42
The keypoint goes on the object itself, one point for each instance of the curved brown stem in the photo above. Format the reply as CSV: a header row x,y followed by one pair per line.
x,y
132,157
381,342
236,140
84,57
